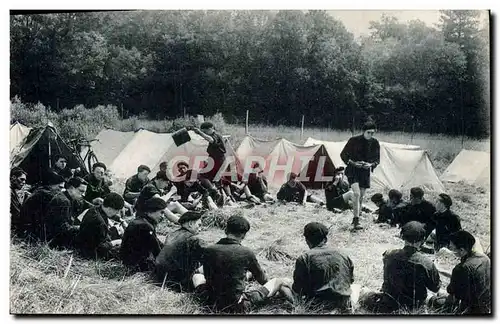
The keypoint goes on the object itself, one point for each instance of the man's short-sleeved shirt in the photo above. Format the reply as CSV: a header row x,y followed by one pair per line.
x,y
323,271
471,283
225,265
408,274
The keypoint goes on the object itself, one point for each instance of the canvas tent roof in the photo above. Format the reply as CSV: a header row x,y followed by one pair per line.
x,y
18,133
401,167
472,167
123,152
37,150
279,153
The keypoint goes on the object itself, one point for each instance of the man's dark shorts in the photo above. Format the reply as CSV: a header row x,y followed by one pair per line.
x,y
358,175
249,300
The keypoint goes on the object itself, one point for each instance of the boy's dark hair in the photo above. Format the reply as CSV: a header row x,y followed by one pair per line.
x,y
463,240
163,165
17,172
143,167
417,192
57,157
369,125
315,233
292,176
395,194
206,125
182,163
413,232
114,201
446,200
237,225
75,182
377,198
99,165
162,175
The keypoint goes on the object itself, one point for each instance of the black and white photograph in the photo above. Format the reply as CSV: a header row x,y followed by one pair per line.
x,y
250,162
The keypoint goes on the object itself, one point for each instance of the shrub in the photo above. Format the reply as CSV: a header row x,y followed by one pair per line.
x,y
32,115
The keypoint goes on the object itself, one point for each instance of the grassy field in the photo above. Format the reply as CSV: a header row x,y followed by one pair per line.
x,y
45,281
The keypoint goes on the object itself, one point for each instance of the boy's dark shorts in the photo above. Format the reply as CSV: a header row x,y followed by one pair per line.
x,y
358,175
250,299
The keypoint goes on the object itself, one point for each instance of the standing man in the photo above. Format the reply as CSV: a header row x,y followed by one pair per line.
x,y
361,154
135,183
216,150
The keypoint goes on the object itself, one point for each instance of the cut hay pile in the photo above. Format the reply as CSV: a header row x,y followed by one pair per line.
x,y
275,252
218,218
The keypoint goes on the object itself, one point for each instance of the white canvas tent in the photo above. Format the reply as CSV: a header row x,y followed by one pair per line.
x,y
472,167
401,166
123,152
18,132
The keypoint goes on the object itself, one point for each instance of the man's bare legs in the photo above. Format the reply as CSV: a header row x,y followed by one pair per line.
x,y
357,199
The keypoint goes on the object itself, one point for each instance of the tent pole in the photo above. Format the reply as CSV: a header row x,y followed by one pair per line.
x,y
246,124
302,128
50,155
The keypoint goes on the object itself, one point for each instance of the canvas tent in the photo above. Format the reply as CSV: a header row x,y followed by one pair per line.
x,y
401,166
36,153
123,152
282,157
472,167
18,133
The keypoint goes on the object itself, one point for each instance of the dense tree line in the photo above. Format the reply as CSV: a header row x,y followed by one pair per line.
x,y
279,65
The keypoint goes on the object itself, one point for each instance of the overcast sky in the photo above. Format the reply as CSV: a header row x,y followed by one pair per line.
x,y
358,22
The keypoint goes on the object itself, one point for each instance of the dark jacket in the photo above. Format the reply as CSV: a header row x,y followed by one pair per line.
x,y
225,265
423,213
93,239
140,245
385,214
217,149
95,188
359,149
445,223
407,276
133,184
148,192
34,212
289,194
17,198
180,257
61,223
471,284
323,273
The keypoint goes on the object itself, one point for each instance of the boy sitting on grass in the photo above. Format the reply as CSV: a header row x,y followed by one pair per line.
x,y
408,274
225,267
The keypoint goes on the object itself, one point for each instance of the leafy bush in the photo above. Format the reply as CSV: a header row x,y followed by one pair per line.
x,y
31,115
81,122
